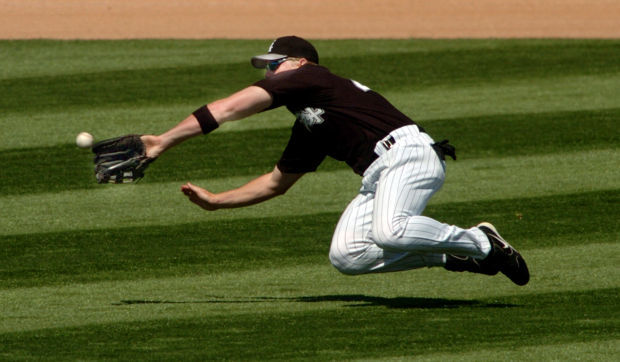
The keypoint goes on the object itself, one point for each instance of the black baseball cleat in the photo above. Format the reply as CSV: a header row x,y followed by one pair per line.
x,y
467,263
507,258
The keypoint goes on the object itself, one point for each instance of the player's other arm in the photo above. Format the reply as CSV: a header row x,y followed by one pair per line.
x,y
261,189
239,105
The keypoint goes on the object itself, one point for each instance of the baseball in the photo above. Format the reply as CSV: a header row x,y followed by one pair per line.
x,y
84,140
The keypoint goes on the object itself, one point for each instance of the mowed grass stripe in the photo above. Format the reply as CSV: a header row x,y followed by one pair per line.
x,y
572,93
212,247
284,291
406,70
163,251
163,204
528,134
378,328
558,269
597,350
230,154
34,58
464,67
67,57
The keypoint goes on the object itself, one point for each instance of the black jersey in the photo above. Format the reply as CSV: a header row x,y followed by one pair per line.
x,y
336,117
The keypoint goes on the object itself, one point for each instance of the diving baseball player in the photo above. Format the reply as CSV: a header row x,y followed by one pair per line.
x,y
382,229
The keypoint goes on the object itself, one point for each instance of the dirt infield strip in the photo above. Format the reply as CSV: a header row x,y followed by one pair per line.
x,y
266,19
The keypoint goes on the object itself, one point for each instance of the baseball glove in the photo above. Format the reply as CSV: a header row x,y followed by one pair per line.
x,y
121,159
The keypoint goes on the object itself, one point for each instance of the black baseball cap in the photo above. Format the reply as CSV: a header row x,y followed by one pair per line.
x,y
287,46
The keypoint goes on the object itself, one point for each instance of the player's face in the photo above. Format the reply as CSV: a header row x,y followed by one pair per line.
x,y
282,65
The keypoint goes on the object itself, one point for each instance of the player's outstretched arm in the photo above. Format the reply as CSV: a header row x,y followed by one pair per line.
x,y
124,159
258,190
237,106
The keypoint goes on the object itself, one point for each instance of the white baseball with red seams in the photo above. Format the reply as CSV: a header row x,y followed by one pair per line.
x,y
84,140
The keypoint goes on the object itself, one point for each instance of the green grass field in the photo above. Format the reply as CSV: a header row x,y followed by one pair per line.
x,y
134,272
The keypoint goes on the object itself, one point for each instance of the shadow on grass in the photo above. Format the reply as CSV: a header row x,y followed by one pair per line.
x,y
401,302
355,300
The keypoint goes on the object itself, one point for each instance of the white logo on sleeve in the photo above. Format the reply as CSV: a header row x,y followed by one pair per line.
x,y
310,117
360,86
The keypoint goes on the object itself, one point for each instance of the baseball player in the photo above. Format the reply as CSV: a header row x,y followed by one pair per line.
x,y
382,229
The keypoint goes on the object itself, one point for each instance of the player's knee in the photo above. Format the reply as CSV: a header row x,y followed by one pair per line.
x,y
348,269
345,264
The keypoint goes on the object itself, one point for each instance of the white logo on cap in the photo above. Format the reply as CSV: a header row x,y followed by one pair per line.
x,y
271,46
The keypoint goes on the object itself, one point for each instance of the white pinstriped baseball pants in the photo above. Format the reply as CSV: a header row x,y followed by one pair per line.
x,y
382,229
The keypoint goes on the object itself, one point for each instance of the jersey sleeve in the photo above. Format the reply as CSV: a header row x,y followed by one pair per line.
x,y
304,153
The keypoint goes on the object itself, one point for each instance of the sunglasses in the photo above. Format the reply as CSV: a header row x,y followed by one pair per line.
x,y
272,66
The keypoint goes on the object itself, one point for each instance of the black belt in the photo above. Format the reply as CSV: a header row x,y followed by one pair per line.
x,y
442,148
388,142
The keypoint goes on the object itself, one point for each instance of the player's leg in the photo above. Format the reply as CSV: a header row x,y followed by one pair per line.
x,y
413,175
354,252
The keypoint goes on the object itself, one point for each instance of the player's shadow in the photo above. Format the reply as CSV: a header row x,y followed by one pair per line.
x,y
402,302
353,300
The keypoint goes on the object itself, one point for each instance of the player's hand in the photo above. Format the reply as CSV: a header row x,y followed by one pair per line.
x,y
199,196
153,145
